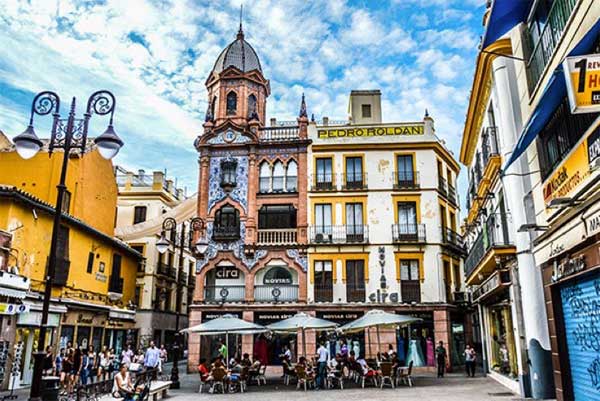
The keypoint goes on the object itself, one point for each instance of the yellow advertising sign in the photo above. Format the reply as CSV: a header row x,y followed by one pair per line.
x,y
582,75
371,131
575,170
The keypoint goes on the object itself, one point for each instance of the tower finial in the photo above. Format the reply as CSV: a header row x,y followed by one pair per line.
x,y
426,113
303,107
240,33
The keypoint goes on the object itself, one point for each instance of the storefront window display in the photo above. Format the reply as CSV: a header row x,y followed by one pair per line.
x,y
269,346
336,341
416,342
503,358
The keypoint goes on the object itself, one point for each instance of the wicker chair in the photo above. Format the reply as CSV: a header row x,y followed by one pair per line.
x,y
386,374
405,377
303,378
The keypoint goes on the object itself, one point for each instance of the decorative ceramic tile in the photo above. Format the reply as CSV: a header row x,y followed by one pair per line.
x,y
228,137
239,194
298,258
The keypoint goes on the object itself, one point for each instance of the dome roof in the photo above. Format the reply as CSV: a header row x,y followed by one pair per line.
x,y
238,54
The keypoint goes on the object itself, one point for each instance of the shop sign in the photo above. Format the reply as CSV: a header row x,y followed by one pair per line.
x,y
568,267
278,275
206,316
227,273
271,317
395,130
101,277
574,171
83,319
13,309
582,75
339,317
593,224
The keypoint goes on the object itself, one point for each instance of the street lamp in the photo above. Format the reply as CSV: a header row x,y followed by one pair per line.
x,y
198,248
67,134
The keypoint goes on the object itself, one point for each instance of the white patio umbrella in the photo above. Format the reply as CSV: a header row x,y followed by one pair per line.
x,y
301,321
226,324
378,318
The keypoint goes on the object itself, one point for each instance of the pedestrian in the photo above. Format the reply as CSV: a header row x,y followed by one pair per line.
x,y
222,351
323,357
127,356
104,363
92,364
85,369
67,370
470,357
441,356
58,362
163,357
152,357
48,361
77,364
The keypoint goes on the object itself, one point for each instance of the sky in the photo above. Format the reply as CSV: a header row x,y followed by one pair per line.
x,y
155,56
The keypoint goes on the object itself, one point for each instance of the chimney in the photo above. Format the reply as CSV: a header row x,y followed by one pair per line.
x,y
325,120
157,180
273,121
364,106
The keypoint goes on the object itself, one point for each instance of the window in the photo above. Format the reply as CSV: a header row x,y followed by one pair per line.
x,y
139,214
227,223
137,297
90,262
62,257
231,103
291,177
264,184
278,175
252,111
407,217
116,282
410,286
66,202
213,106
323,220
406,175
228,174
354,222
276,216
323,284
354,173
366,110
355,280
324,173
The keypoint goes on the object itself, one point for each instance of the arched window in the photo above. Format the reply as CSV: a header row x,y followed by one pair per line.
x,y
227,223
291,177
265,177
278,175
252,106
213,107
231,103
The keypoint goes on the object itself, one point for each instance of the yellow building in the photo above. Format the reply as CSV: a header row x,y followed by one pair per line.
x,y
94,284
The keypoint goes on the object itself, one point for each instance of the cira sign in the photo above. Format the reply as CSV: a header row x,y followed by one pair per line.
x,y
582,75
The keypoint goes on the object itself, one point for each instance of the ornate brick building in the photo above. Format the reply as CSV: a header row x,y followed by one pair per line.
x,y
252,194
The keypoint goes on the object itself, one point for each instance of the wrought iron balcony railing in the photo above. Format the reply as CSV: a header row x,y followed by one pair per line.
x,y
224,293
323,182
355,293
354,182
165,270
493,235
408,232
406,180
347,234
410,291
115,285
451,237
276,293
323,292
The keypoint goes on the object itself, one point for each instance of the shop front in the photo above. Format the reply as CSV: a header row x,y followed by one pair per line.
x,y
416,342
335,340
209,345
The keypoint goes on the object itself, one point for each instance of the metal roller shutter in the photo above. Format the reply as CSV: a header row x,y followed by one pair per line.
x,y
581,313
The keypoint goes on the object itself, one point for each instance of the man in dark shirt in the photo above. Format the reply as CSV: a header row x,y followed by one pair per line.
x,y
441,356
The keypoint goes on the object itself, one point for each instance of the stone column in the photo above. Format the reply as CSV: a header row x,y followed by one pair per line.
x,y
442,329
248,339
194,342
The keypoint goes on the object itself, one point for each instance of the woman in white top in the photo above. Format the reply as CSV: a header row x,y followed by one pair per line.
x,y
123,387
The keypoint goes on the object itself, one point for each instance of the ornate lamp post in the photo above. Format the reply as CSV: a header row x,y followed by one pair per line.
x,y
68,134
198,248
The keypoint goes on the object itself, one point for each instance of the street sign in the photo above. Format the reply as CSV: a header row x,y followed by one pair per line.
x,y
582,76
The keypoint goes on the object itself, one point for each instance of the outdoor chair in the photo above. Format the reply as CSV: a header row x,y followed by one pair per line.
x,y
260,375
386,374
244,379
288,373
405,376
303,378
203,383
218,380
365,377
335,377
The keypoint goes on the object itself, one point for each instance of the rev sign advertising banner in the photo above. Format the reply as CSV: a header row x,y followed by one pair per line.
x,y
582,75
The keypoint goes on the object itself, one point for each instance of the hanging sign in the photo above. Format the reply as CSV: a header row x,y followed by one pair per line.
x,y
582,75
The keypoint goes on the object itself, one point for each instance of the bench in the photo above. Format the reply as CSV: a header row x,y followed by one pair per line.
x,y
158,390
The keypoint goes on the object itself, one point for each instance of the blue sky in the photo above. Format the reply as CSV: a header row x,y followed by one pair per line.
x,y
155,56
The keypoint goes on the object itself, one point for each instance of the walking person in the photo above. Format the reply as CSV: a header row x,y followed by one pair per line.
x,y
323,357
470,357
441,357
85,368
163,357
48,361
152,357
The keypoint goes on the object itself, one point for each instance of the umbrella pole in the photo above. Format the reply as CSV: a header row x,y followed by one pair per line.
x,y
369,340
303,342
227,342
378,341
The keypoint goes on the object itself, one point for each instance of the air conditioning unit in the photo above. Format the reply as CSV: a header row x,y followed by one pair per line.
x,y
319,238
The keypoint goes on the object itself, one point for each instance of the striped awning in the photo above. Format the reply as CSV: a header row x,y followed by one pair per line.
x,y
13,293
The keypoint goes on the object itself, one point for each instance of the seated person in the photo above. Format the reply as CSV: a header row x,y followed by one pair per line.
x,y
123,387
203,369
236,370
366,369
218,370
246,362
307,368
333,363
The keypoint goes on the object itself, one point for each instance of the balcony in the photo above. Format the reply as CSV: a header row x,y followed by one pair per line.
x,y
276,293
277,236
323,183
497,281
410,290
406,180
339,234
452,195
453,240
165,270
323,293
115,286
226,233
224,293
407,233
354,182
492,242
442,185
278,134
542,50
355,293
183,278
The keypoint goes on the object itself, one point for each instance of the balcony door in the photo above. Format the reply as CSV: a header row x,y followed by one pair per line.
x,y
323,285
410,286
354,222
355,280
323,222
406,174
407,220
324,173
354,173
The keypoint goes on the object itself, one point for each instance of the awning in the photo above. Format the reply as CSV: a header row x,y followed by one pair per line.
x,y
553,94
13,293
505,14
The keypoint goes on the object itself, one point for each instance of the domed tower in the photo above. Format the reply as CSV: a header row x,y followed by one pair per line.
x,y
237,89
